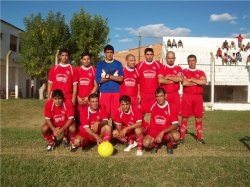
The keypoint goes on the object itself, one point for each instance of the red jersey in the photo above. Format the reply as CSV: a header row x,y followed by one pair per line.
x,y
196,74
126,119
86,79
88,117
148,76
59,115
162,117
63,77
172,71
130,82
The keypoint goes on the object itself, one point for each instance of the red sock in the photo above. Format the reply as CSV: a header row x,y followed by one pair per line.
x,y
130,142
183,129
139,142
198,125
106,137
48,138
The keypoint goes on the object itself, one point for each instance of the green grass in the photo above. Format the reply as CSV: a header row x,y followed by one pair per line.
x,y
223,161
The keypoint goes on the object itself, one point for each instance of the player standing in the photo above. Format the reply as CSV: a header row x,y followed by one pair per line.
x,y
148,79
130,82
59,118
94,124
170,77
192,100
130,125
109,75
163,124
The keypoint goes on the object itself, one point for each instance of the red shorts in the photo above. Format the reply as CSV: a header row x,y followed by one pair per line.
x,y
110,101
147,100
192,105
86,136
174,100
154,133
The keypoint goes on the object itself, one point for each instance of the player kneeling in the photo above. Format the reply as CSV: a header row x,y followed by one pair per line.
x,y
59,118
94,124
163,124
130,125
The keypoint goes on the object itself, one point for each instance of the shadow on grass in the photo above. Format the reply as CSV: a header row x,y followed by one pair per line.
x,y
191,134
245,140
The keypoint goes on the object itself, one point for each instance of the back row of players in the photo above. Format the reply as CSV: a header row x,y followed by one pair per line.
x,y
125,95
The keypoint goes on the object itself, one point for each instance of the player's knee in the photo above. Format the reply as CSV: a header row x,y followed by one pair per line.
x,y
72,129
146,143
45,128
78,141
176,136
115,133
138,131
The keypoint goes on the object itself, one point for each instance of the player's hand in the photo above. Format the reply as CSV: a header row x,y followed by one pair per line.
x,y
159,137
123,132
56,131
98,139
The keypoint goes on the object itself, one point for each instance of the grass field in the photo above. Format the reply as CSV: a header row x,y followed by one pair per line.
x,y
223,161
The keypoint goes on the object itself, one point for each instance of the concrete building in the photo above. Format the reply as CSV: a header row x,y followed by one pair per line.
x,y
17,83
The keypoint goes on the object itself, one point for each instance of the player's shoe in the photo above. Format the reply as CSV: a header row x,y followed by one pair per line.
x,y
130,146
65,142
51,146
154,150
201,141
170,150
181,142
139,152
72,148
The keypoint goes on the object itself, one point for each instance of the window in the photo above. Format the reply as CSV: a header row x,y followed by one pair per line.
x,y
13,43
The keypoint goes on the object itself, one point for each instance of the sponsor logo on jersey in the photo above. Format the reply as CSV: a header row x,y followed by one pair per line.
x,y
160,120
129,82
149,74
90,74
84,81
61,78
59,118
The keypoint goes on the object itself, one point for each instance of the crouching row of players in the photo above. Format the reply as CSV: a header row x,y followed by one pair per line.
x,y
130,126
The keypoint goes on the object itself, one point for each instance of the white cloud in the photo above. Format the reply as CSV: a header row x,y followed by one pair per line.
x,y
158,31
243,29
125,40
118,28
222,17
117,36
246,17
233,22
245,35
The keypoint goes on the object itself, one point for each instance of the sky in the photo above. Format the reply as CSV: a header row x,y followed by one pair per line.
x,y
153,19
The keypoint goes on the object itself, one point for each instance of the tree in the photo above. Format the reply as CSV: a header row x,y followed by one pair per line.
x,y
39,43
88,33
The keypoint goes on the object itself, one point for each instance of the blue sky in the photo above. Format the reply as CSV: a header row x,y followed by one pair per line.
x,y
153,19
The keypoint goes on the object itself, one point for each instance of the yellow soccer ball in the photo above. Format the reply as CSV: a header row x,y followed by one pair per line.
x,y
105,149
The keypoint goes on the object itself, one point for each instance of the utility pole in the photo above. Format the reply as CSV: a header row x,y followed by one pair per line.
x,y
139,47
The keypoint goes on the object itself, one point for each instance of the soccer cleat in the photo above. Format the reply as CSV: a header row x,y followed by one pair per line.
x,y
51,146
154,150
65,142
130,146
139,152
181,142
72,148
201,141
170,150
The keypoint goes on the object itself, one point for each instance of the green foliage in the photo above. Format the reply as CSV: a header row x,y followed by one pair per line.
x,y
43,37
89,33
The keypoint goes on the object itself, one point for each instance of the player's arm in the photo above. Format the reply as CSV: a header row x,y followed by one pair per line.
x,y
139,94
116,78
49,88
119,128
178,78
174,126
163,80
135,125
93,134
200,81
188,82
95,88
66,125
50,124
74,95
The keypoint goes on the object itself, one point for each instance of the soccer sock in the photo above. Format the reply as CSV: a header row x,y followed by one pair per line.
x,y
72,137
48,138
183,129
198,125
106,137
139,142
154,145
130,142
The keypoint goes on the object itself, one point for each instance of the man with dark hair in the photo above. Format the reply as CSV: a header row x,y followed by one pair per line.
x,y
163,124
130,82
94,124
192,100
59,118
148,79
63,76
130,125
109,75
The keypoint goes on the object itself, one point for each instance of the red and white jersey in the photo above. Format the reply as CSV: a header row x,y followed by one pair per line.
x,y
148,76
196,74
126,119
59,115
63,77
130,82
171,71
88,117
162,117
86,79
